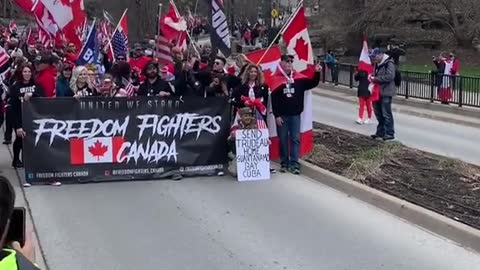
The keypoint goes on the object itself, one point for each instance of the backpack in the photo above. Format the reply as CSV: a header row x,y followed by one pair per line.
x,y
398,77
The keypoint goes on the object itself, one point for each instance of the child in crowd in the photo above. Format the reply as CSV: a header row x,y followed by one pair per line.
x,y
364,97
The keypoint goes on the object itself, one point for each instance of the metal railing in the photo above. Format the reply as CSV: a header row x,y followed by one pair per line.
x,y
460,90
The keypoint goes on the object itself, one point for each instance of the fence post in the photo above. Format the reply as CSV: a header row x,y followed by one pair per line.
x,y
433,76
460,93
351,76
407,85
324,71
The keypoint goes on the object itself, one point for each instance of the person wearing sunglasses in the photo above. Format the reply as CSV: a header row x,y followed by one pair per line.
x,y
288,104
218,82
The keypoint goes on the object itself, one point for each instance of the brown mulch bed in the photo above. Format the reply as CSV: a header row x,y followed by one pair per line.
x,y
446,186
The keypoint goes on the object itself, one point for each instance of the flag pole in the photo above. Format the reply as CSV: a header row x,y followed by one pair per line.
x,y
159,14
188,34
281,30
116,28
159,17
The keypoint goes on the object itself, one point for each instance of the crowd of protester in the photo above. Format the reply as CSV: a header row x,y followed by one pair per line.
x,y
52,73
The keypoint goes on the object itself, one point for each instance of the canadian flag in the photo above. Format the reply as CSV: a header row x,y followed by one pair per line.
x,y
268,59
297,41
68,15
57,15
95,150
173,27
365,64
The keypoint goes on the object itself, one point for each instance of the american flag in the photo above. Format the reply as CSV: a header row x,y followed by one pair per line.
x,y
261,124
44,38
4,61
164,51
120,38
130,88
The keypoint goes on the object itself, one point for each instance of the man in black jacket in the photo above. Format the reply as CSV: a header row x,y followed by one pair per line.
x,y
153,85
287,105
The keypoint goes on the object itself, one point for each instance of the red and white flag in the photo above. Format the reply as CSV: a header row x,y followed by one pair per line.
x,y
173,27
297,41
268,59
365,64
95,150
12,26
164,51
4,59
69,15
44,38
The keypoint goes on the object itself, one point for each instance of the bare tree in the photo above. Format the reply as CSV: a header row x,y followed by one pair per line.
x,y
460,17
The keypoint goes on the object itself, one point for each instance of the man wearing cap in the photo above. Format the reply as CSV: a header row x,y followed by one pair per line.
x,y
385,77
288,92
153,84
47,73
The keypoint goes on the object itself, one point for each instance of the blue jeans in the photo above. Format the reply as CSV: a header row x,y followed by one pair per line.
x,y
383,112
289,134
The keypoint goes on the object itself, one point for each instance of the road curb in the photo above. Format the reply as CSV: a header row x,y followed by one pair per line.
x,y
462,234
404,111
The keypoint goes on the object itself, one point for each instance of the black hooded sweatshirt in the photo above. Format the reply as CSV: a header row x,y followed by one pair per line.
x,y
17,93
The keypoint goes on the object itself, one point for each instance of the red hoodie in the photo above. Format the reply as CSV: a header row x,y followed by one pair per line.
x,y
71,57
46,80
139,64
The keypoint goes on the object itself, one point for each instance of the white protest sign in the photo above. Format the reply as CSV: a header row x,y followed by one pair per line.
x,y
253,154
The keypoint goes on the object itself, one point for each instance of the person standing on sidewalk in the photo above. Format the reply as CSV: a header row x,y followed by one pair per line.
x,y
364,97
384,78
331,62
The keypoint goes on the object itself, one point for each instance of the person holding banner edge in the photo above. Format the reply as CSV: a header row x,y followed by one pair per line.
x,y
21,91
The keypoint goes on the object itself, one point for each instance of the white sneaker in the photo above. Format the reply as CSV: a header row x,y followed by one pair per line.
x,y
27,185
368,121
56,184
359,121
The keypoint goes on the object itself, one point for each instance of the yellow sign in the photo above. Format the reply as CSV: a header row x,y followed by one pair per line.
x,y
274,13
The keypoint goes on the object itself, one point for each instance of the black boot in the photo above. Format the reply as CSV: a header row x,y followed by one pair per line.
x,y
17,164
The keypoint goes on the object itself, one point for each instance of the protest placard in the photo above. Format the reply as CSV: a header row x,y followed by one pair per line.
x,y
253,156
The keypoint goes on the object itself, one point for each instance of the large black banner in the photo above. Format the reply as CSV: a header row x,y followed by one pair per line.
x,y
123,139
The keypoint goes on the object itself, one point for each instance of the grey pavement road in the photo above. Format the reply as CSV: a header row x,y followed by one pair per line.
x,y
442,138
289,222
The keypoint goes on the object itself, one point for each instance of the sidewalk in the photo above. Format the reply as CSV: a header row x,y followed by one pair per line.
x,y
452,114
11,174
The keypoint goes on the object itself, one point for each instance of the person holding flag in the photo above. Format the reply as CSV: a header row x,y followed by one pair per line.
x,y
365,86
287,105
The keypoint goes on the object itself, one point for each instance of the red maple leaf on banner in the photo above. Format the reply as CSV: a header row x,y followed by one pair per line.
x,y
301,48
98,149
